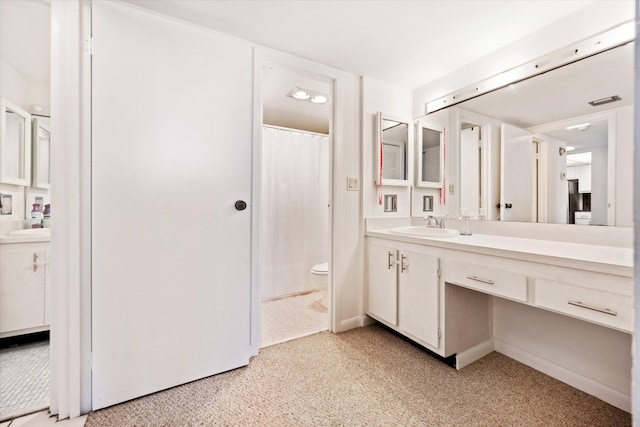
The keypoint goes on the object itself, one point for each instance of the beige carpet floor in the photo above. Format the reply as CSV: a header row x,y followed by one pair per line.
x,y
366,377
292,317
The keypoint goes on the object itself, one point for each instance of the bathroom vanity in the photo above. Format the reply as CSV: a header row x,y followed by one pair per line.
x,y
25,283
466,296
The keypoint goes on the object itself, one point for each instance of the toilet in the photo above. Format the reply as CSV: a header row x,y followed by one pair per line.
x,y
320,280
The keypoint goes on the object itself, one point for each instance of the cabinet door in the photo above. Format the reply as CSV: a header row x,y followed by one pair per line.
x,y
418,295
21,288
382,296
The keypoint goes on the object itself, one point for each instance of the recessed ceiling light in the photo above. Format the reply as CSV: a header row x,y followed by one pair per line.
x,y
319,99
298,93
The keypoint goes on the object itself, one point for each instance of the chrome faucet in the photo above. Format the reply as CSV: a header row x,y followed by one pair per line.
x,y
434,222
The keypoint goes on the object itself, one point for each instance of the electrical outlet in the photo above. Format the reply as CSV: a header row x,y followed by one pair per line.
x,y
451,189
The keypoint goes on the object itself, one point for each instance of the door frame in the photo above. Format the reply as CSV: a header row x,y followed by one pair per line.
x,y
270,58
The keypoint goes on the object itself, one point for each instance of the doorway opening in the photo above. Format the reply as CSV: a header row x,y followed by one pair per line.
x,y
297,110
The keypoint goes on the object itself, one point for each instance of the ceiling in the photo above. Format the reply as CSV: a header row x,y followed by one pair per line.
x,y
407,43
404,43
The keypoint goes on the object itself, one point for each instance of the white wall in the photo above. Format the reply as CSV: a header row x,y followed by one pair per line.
x,y
599,186
396,102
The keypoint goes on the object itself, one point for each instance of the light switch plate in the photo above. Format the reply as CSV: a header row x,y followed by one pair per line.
x,y
352,183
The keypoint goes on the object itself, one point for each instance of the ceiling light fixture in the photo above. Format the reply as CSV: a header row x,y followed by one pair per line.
x,y
319,99
308,95
301,94
607,100
570,148
582,126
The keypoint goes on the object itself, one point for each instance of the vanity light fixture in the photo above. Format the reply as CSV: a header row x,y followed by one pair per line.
x,y
607,100
581,127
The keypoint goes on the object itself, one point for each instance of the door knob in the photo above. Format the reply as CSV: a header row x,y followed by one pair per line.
x,y
241,205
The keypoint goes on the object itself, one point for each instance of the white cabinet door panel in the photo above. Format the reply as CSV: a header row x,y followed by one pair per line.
x,y
382,295
22,299
418,296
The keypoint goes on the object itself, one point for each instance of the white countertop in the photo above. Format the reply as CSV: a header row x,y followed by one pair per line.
x,y
27,236
605,259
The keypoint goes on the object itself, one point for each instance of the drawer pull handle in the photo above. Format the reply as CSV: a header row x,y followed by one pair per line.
x,y
480,279
590,307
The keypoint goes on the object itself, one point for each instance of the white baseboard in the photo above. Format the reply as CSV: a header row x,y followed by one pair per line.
x,y
601,391
352,323
476,352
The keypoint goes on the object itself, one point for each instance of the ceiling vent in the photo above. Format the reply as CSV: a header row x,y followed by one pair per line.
x,y
606,100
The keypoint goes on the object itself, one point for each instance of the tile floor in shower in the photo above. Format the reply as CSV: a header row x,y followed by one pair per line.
x,y
24,376
293,317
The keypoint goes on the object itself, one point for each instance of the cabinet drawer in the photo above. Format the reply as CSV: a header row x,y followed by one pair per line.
x,y
594,305
488,280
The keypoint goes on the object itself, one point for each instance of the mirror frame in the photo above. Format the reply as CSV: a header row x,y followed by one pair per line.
x,y
419,126
39,123
380,180
25,155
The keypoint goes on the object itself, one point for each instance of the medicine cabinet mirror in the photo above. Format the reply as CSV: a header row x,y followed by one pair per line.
x,y
41,153
394,150
15,144
430,154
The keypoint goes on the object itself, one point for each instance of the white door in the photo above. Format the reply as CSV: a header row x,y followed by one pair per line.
x,y
171,154
470,171
517,175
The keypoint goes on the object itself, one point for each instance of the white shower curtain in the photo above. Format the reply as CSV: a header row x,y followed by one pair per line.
x,y
295,212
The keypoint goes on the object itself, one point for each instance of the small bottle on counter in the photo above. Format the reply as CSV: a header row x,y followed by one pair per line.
x,y
465,228
36,216
46,220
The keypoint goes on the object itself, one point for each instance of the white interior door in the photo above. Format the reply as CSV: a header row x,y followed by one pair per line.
x,y
517,175
171,154
470,171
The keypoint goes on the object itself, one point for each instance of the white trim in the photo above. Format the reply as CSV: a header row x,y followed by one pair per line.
x,y
355,322
294,130
601,391
70,193
473,354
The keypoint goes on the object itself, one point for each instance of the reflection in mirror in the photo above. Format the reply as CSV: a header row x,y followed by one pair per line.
x,y
529,119
15,144
393,149
41,153
430,154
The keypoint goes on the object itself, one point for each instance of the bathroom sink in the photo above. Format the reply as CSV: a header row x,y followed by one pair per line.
x,y
422,231
27,232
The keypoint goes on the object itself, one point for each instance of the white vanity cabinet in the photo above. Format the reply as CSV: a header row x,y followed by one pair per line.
x,y
24,288
404,288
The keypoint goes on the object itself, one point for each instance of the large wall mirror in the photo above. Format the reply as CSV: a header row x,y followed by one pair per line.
x,y
394,151
544,149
